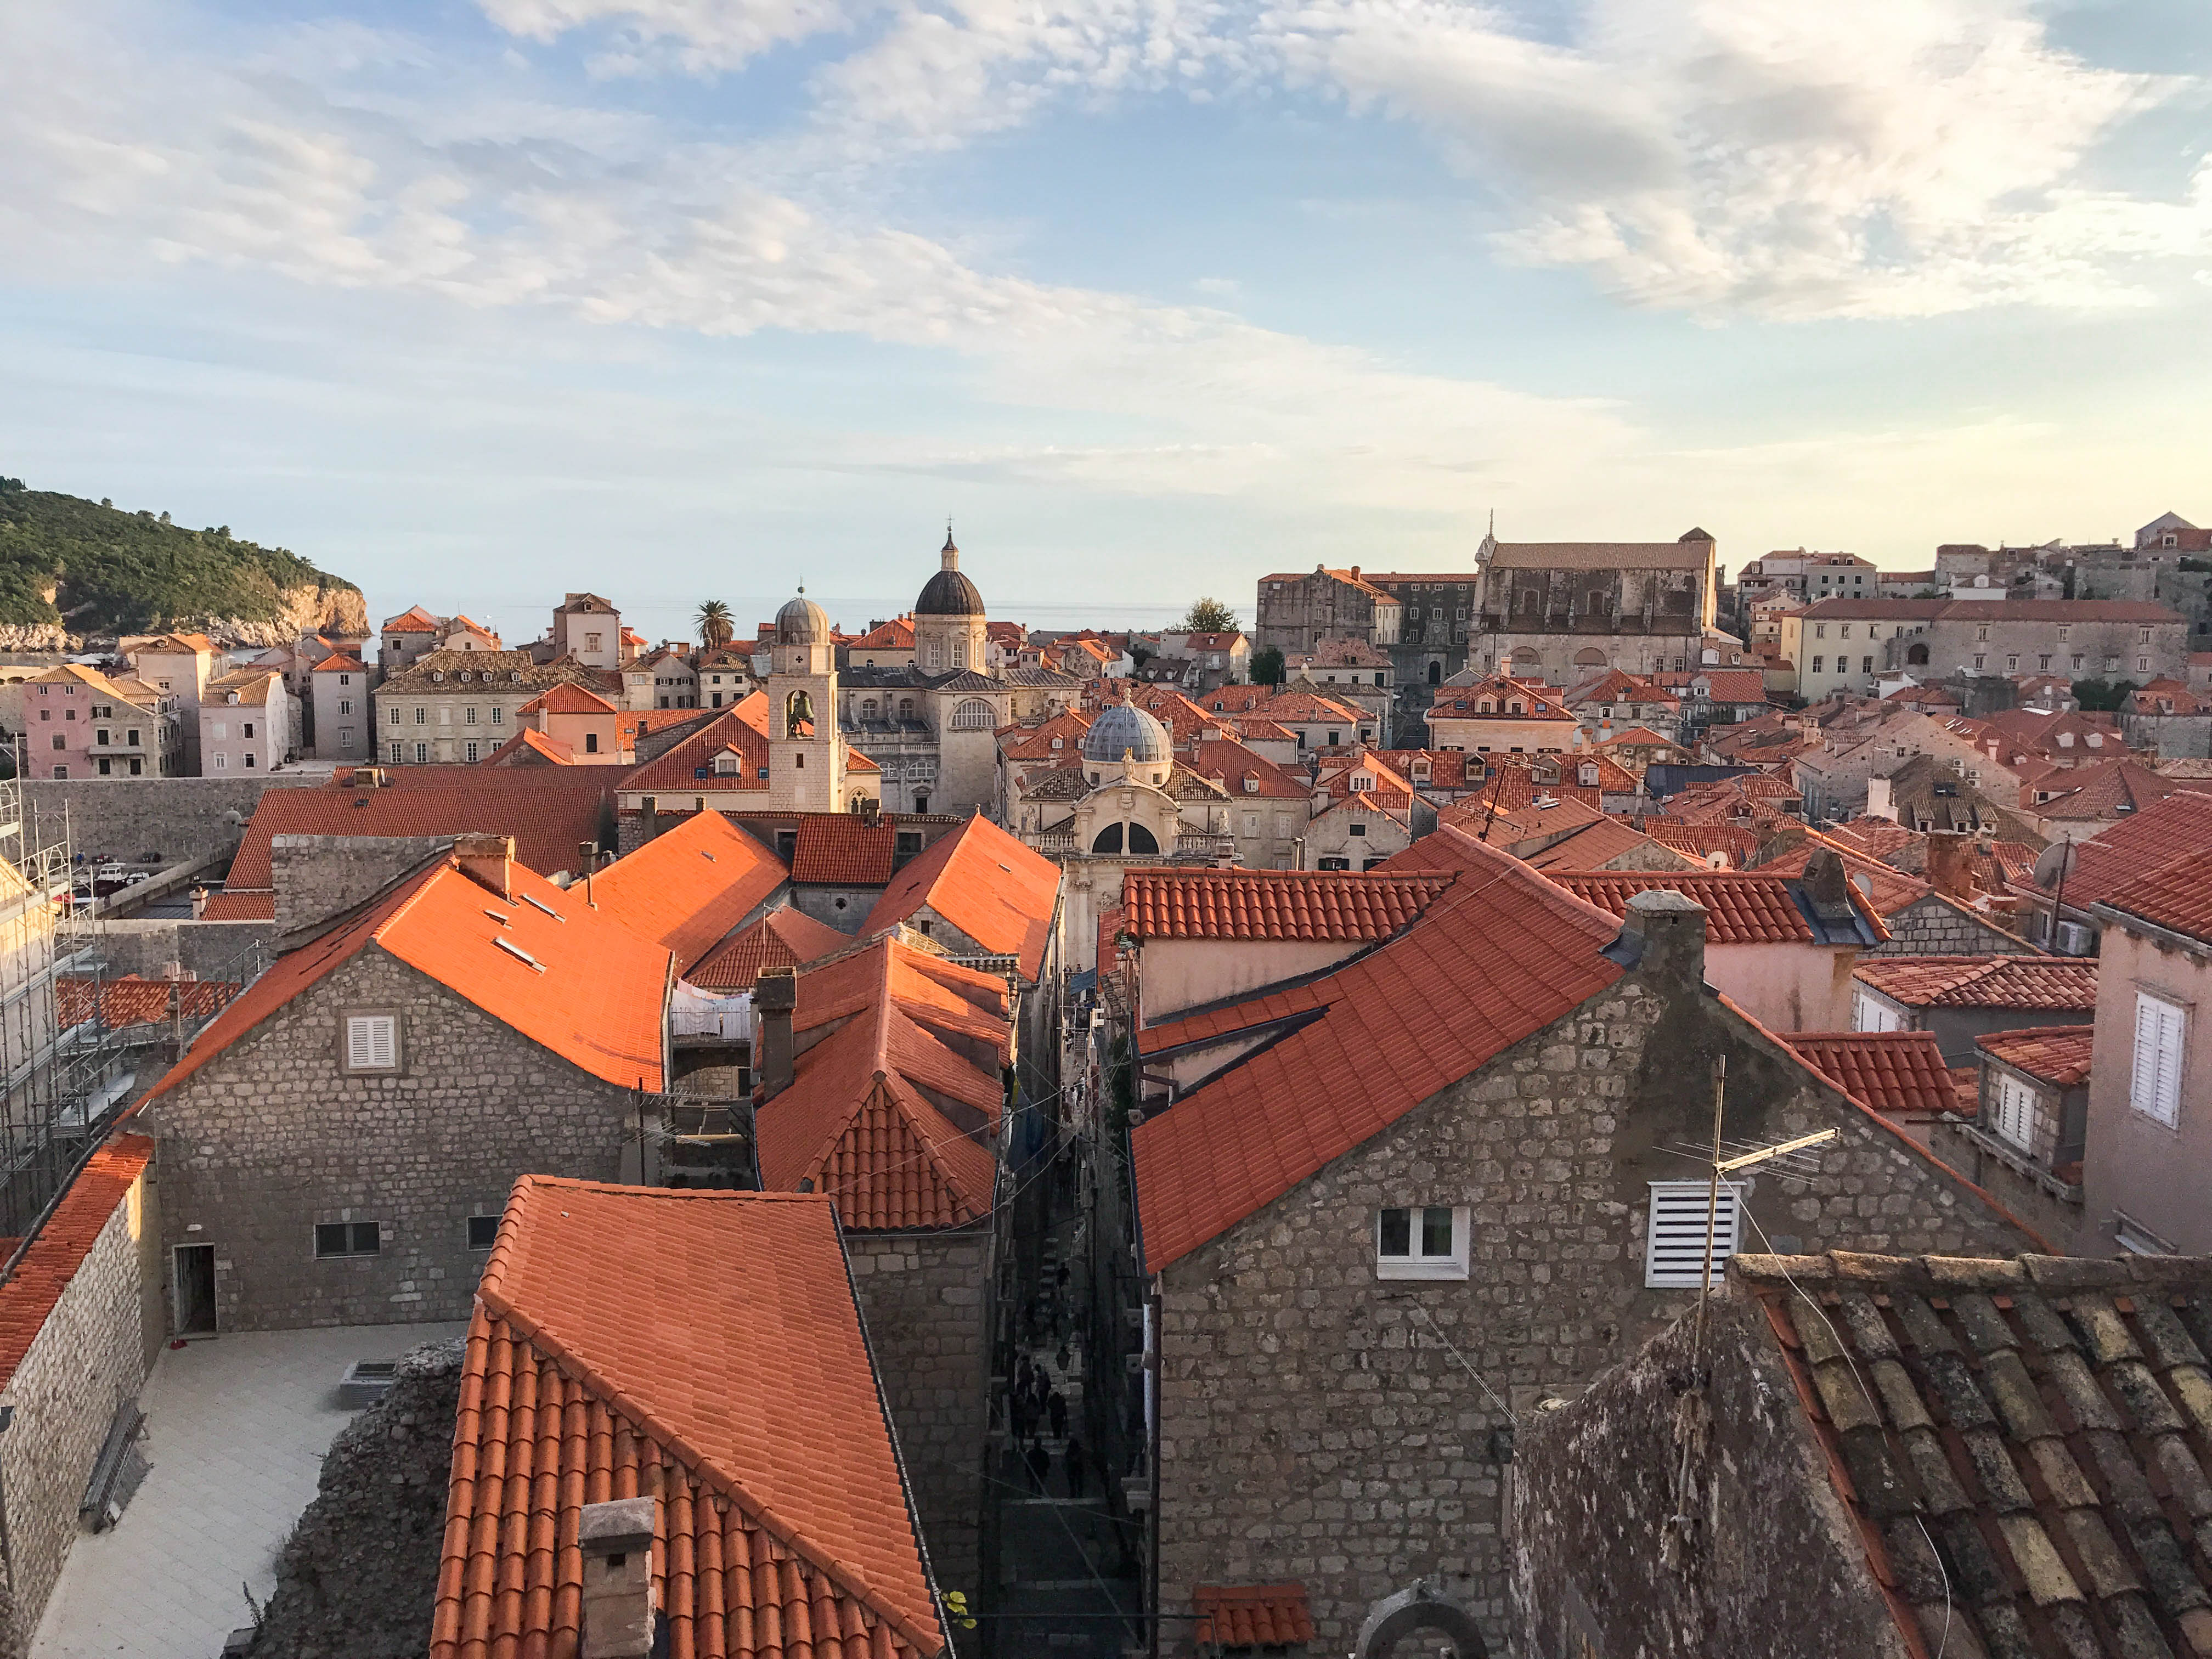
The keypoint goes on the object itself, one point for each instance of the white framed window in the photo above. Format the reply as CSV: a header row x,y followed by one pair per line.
x,y
1674,1239
1424,1241
2154,1087
2015,1112
1870,1013
372,1042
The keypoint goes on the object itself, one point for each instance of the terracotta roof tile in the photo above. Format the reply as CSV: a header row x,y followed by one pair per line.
x,y
985,883
2056,1053
1701,841
1889,891
2136,845
687,888
1742,907
784,938
240,907
413,620
1273,904
843,849
1491,960
1900,1074
531,747
2177,896
1592,847
2054,982
60,1247
735,1386
1251,1615
2000,1430
567,699
131,1000
743,728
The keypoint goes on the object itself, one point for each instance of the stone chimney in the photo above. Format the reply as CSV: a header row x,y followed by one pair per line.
x,y
1950,863
1667,930
776,996
200,903
616,1540
488,860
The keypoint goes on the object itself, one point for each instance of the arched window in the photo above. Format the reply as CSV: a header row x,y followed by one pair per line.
x,y
1141,840
1108,840
974,715
867,708
1436,676
906,712
797,708
1916,655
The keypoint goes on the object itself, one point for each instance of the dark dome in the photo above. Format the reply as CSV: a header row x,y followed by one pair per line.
x,y
949,594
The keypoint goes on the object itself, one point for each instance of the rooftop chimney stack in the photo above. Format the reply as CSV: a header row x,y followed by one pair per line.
x,y
488,860
1950,863
1668,930
776,998
616,1543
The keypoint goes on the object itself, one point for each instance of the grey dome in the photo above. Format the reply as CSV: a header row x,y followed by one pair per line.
x,y
802,621
1123,728
949,593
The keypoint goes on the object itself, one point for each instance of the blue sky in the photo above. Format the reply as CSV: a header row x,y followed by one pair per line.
x,y
478,301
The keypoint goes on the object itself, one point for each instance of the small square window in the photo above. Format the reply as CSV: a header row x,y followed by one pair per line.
x,y
1429,1242
484,1232
347,1238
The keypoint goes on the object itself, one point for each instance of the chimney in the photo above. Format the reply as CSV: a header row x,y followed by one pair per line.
x,y
486,860
199,903
1665,935
776,996
616,1540
1950,862
649,819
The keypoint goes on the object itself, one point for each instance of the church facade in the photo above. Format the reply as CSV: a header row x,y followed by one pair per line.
x,y
1561,611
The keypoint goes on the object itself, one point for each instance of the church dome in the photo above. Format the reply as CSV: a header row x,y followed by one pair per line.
x,y
949,593
1124,729
802,621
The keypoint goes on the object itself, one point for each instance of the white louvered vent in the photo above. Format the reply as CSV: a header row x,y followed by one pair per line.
x,y
1674,1245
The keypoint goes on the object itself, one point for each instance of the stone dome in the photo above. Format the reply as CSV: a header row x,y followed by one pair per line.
x,y
949,593
1124,729
802,621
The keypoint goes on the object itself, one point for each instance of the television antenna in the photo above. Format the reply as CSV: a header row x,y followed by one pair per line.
x,y
1720,1164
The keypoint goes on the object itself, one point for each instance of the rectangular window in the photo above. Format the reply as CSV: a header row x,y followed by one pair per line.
x,y
2154,1088
484,1232
398,754
1818,663
222,763
421,715
499,716
134,738
395,716
422,754
2015,1112
468,715
1674,1245
249,728
373,1042
249,760
472,752
1428,1242
347,1238
345,705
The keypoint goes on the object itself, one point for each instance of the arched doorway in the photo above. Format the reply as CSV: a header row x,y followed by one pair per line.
x,y
1436,673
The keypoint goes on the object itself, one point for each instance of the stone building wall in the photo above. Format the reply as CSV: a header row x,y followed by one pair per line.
x,y
318,876
1930,927
211,950
1319,1426
274,1136
170,817
89,1358
922,1295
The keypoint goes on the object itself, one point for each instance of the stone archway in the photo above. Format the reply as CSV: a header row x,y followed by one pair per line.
x,y
1419,1623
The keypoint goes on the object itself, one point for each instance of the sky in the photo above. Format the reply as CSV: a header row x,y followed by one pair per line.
x,y
478,301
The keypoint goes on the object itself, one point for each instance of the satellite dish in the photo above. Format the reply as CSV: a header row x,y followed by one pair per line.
x,y
2054,864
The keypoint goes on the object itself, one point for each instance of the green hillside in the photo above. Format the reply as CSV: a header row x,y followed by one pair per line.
x,y
98,569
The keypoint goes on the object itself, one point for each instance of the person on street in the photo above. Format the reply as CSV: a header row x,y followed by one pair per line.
x,y
1071,1458
1040,1463
1056,1408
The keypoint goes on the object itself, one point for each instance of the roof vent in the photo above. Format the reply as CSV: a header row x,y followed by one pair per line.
x,y
518,952
540,904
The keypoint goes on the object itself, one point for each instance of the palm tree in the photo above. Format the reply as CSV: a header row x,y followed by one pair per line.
x,y
716,629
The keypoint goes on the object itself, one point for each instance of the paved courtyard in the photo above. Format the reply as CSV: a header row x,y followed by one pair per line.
x,y
235,1431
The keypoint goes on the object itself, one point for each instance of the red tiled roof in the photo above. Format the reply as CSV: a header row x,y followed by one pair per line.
x,y
1493,959
981,879
1742,907
61,1246
1877,838
2124,852
1231,764
686,888
843,849
598,1004
1734,684
340,662
566,698
1702,840
703,1348
2177,896
2054,982
896,635
1897,1073
240,907
743,726
862,1121
1886,890
413,620
2056,1053
131,1000
531,747
1592,847
1251,1615
784,938
1269,904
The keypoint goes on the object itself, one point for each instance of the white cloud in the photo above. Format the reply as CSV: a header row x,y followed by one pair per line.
x,y
697,37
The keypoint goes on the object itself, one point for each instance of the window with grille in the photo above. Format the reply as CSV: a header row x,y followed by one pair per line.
x,y
2154,1088
347,1238
1674,1243
372,1042
972,716
1429,1242
2015,1119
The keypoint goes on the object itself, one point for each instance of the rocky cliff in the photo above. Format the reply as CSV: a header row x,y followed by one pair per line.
x,y
74,571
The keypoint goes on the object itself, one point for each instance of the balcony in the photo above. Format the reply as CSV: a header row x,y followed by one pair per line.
x,y
1049,841
1205,847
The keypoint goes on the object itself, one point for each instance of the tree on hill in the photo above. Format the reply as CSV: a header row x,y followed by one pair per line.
x,y
1266,666
1209,616
716,629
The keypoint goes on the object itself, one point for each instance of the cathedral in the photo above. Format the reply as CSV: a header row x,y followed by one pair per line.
x,y
931,725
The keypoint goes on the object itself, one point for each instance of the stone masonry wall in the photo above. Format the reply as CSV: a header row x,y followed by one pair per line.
x,y
922,1295
1930,927
274,1136
1319,1426
318,876
87,1359
131,818
212,950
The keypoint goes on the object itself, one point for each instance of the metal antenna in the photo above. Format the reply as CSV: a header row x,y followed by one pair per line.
x,y
1722,1166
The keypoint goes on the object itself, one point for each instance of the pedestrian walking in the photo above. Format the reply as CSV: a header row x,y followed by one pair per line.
x,y
1040,1463
1021,1416
1056,1408
1071,1458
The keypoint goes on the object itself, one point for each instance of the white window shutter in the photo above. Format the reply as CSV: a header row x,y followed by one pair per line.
x,y
1674,1240
2154,1084
372,1042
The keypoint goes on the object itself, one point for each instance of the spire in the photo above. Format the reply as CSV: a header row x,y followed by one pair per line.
x,y
950,554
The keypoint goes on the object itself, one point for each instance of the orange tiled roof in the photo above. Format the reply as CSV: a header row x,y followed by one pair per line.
x,y
131,1000
685,889
566,698
520,749
1232,766
739,1391
598,1004
1493,959
2054,982
1251,1615
1592,847
61,1246
743,728
2125,851
1886,890
861,1120
1897,1073
2177,896
981,879
843,849
340,662
2056,1053
896,635
1256,904
413,620
240,907
1742,907
1702,840
784,938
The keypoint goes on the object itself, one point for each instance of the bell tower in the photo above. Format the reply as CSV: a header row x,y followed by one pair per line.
x,y
806,752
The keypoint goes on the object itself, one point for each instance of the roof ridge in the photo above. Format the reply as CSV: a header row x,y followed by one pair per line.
x,y
846,1575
